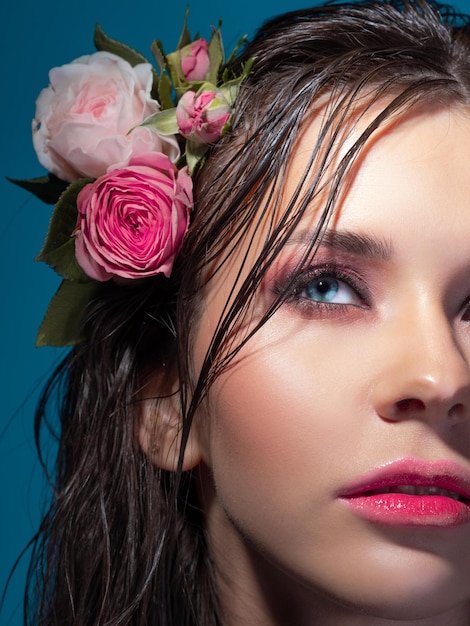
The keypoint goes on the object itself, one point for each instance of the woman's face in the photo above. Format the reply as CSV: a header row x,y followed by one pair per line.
x,y
338,439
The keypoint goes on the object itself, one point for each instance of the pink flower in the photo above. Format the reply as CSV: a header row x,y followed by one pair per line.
x,y
201,117
132,221
84,117
195,60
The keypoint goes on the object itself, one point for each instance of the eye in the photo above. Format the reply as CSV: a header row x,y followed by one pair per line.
x,y
330,289
326,290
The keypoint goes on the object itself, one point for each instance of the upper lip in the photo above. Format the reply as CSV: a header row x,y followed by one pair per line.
x,y
444,474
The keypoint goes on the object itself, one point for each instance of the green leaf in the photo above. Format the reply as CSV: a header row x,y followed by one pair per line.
x,y
163,122
58,250
165,88
195,154
246,70
206,86
132,56
237,47
164,85
231,88
227,126
230,91
216,56
174,59
176,71
185,37
61,324
159,55
103,42
46,188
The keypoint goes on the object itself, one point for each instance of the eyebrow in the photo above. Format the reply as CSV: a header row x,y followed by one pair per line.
x,y
359,244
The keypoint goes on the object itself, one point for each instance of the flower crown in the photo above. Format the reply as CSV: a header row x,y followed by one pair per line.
x,y
121,140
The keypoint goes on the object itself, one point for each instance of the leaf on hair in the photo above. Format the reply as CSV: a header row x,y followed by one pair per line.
x,y
58,250
47,188
61,324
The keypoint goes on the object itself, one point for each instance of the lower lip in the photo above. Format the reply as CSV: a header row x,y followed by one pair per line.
x,y
398,509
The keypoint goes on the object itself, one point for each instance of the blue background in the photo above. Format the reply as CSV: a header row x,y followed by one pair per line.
x,y
36,37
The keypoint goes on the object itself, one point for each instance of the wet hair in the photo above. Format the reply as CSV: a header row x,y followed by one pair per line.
x,y
125,542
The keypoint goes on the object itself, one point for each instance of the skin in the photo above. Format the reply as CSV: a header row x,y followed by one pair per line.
x,y
312,400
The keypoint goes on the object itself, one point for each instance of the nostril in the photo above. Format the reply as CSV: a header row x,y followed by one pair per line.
x,y
457,412
408,405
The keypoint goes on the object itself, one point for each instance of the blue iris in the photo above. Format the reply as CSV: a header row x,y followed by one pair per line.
x,y
323,289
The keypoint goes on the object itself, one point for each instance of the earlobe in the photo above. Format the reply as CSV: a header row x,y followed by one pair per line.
x,y
160,430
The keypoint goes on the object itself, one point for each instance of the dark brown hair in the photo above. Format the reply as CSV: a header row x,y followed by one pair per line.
x,y
123,541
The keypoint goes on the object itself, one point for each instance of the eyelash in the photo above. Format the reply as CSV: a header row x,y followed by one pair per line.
x,y
293,284
288,289
466,310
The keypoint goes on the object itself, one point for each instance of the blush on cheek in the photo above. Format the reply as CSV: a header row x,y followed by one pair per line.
x,y
256,444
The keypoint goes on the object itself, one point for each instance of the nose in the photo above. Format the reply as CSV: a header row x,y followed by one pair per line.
x,y
424,372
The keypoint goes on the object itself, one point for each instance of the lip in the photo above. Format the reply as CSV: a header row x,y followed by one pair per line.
x,y
371,496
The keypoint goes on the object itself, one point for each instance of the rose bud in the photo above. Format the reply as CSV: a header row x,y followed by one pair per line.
x,y
195,60
202,117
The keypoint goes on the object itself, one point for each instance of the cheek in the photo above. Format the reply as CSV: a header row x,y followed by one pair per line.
x,y
281,414
259,441
275,427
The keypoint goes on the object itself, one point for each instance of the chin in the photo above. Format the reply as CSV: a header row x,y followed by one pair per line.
x,y
426,595
400,584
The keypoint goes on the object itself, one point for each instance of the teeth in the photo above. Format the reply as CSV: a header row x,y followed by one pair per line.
x,y
417,490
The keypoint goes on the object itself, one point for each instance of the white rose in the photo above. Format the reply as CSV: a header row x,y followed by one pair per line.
x,y
83,118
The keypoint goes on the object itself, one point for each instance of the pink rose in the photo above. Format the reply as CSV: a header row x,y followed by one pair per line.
x,y
201,117
83,118
132,221
195,60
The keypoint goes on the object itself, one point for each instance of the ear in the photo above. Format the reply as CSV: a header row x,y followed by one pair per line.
x,y
160,426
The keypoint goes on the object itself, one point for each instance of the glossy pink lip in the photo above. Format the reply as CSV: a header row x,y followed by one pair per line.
x,y
411,492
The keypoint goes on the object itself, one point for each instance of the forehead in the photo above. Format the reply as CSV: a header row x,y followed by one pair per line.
x,y
412,168
424,150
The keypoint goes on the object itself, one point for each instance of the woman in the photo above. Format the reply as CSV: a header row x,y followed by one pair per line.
x,y
275,429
